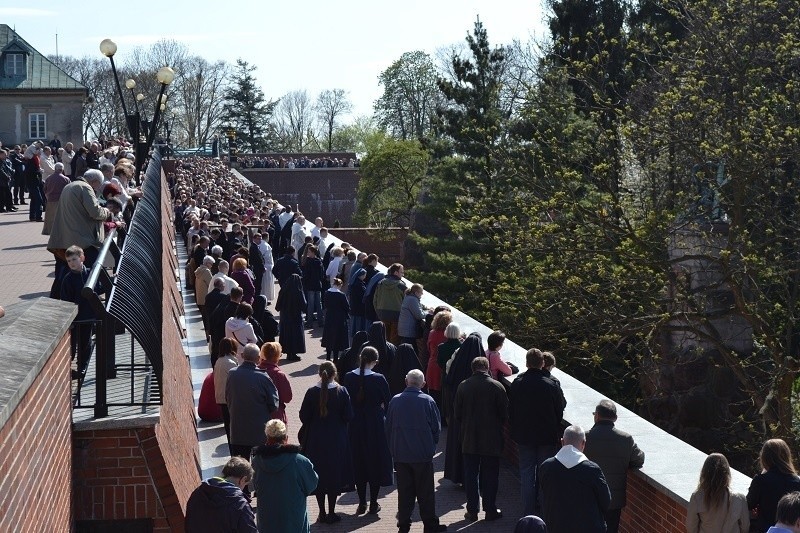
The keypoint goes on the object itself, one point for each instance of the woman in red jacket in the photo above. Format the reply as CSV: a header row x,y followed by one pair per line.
x,y
269,356
433,373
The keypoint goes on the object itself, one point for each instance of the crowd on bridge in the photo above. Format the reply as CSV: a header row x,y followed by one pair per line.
x,y
395,372
303,161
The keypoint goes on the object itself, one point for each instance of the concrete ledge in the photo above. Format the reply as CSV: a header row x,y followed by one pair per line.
x,y
29,334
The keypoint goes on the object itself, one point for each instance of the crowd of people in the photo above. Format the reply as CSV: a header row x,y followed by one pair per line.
x,y
302,161
394,374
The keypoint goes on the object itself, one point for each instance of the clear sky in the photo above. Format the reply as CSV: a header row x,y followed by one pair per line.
x,y
305,44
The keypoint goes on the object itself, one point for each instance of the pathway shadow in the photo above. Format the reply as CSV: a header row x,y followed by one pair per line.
x,y
26,247
310,370
34,295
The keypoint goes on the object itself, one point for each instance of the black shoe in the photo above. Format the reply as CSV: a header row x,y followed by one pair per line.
x,y
361,509
438,528
39,220
22,202
497,514
14,209
374,508
322,518
333,518
471,517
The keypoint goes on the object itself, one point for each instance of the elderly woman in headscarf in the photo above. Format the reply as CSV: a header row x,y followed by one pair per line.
x,y
460,368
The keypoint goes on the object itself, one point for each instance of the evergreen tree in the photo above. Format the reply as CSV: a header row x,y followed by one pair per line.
x,y
248,110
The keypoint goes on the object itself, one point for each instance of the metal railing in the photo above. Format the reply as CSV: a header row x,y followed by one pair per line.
x,y
134,304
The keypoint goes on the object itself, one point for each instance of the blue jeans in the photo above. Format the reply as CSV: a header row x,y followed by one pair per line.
x,y
37,200
314,310
530,457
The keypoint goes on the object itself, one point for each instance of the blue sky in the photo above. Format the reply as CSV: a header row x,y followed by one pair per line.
x,y
306,44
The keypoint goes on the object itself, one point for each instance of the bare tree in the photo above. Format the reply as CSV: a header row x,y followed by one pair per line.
x,y
294,122
199,98
331,105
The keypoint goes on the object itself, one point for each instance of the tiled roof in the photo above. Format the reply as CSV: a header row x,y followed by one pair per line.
x,y
42,73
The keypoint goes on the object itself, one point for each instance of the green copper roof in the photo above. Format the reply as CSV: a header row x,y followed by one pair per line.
x,y
42,74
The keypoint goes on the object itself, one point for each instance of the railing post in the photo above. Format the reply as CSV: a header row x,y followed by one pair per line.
x,y
101,366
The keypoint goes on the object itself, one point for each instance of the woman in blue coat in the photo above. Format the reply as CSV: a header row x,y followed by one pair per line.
x,y
283,480
325,414
372,463
337,310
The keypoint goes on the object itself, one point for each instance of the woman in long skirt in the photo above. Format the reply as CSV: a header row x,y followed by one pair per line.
x,y
334,333
325,414
291,304
372,463
460,369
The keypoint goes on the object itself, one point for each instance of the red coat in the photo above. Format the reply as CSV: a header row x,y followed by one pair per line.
x,y
433,374
207,407
284,388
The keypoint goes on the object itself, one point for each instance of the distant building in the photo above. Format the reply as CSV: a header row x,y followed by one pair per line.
x,y
37,99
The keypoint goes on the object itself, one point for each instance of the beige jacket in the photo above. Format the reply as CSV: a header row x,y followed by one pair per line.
x,y
732,517
79,219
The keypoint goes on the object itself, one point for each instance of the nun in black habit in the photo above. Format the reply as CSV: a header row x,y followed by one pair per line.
x,y
460,369
386,350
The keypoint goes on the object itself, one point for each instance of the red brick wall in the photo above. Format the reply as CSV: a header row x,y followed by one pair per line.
x,y
320,192
390,250
651,510
147,470
35,452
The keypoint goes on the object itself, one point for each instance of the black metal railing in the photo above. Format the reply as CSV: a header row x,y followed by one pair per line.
x,y
134,304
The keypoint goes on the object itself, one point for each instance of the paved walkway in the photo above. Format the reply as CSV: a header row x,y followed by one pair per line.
x,y
26,271
450,499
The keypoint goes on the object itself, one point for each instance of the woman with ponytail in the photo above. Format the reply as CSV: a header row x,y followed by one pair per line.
x,y
325,414
372,462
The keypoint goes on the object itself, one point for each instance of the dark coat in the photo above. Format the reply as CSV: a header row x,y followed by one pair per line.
x,y
221,314
246,282
327,444
313,274
251,397
537,407
350,359
337,312
213,299
404,360
615,452
356,296
283,479
284,268
765,491
256,261
481,410
369,395
217,505
573,499
460,369
290,304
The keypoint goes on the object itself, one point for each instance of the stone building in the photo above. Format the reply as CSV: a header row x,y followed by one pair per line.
x,y
37,99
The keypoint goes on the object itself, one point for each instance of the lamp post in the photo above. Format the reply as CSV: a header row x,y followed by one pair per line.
x,y
230,133
140,130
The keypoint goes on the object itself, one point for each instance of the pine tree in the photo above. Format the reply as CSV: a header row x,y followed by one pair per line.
x,y
248,110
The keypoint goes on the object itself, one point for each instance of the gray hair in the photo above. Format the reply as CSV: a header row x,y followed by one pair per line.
x,y
216,249
250,352
415,378
59,166
107,166
208,260
452,331
574,435
93,175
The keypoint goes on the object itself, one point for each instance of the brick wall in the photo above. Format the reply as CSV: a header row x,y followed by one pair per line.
x,y
35,451
649,509
388,246
145,467
325,192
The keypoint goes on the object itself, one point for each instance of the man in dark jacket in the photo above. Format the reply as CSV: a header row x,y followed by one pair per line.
x,y
615,452
286,266
481,408
537,406
251,397
219,504
575,496
412,432
224,311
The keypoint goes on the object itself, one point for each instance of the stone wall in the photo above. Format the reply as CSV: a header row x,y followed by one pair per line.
x,y
35,416
329,193
64,112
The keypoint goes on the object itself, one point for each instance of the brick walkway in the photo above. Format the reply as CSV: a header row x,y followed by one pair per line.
x,y
26,267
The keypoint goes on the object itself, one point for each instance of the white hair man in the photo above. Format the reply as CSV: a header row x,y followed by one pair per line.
x,y
412,429
575,495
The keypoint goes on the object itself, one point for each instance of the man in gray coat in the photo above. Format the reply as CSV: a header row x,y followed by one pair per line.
x,y
481,407
615,452
251,397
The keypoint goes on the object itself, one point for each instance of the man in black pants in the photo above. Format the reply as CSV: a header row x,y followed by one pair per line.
x,y
412,429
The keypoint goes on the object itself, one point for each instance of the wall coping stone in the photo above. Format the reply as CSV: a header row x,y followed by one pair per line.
x,y
127,421
29,334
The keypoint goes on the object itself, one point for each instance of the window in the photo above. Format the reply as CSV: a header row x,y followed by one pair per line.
x,y
15,64
37,125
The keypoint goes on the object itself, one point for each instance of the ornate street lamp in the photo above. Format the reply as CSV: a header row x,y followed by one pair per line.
x,y
140,130
230,133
